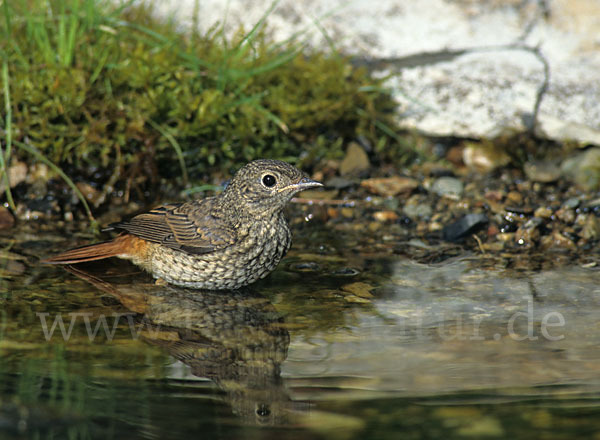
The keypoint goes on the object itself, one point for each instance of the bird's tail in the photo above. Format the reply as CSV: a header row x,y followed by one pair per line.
x,y
91,252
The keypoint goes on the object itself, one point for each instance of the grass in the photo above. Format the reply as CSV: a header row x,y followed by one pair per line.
x,y
92,86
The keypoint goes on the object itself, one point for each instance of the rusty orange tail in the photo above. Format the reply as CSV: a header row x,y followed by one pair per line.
x,y
91,252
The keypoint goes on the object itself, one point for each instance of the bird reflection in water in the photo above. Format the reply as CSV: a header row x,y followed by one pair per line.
x,y
235,338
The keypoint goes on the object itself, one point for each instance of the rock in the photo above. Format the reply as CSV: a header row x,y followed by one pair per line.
x,y
514,197
90,193
448,187
17,173
390,186
591,228
465,226
7,220
543,212
419,210
445,83
584,168
571,203
339,183
385,216
565,215
528,234
556,240
360,289
484,158
355,161
543,172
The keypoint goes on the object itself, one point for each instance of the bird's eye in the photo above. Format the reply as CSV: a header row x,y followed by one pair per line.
x,y
269,180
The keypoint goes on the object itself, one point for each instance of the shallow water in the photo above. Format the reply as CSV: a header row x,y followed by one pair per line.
x,y
340,342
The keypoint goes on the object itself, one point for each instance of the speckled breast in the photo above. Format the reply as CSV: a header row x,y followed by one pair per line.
x,y
253,257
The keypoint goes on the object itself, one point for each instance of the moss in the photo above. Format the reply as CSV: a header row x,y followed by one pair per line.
x,y
94,88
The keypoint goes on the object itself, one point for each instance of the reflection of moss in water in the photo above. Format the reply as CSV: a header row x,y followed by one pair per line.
x,y
93,89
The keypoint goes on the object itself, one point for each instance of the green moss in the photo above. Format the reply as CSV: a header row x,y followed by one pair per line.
x,y
94,87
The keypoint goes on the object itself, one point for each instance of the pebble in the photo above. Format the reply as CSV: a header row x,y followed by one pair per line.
x,y
484,159
543,212
355,161
360,289
591,228
556,240
420,210
463,227
571,203
542,171
566,215
385,216
390,186
448,187
514,197
529,234
7,220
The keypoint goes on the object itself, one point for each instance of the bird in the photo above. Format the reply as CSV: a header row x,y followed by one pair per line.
x,y
222,242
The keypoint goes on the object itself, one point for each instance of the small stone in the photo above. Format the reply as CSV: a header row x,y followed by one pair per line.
x,y
360,289
571,203
591,228
494,195
542,172
420,210
390,186
505,236
584,168
543,212
448,187
347,212
17,173
339,183
565,215
90,193
7,220
484,158
514,197
463,227
557,241
528,234
355,161
385,216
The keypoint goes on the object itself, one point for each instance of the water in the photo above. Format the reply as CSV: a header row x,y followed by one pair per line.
x,y
341,342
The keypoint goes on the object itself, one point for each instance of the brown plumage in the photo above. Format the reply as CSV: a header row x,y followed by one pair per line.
x,y
221,242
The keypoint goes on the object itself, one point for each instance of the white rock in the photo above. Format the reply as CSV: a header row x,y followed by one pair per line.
x,y
459,68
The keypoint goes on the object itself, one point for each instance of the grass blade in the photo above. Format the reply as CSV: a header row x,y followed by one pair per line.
x,y
175,146
5,155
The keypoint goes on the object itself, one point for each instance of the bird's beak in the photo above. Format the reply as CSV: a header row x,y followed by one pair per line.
x,y
304,183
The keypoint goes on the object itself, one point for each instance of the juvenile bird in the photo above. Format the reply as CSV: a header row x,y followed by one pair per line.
x,y
221,242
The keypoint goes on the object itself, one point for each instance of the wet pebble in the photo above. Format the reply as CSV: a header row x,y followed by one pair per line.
x,y
556,240
385,216
346,272
591,227
390,186
360,289
448,187
565,215
420,210
571,203
529,234
7,220
355,161
543,171
305,266
464,227
543,212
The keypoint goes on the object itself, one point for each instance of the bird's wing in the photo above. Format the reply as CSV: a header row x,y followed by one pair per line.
x,y
193,227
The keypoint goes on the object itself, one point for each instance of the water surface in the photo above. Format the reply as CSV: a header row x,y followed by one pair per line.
x,y
341,341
